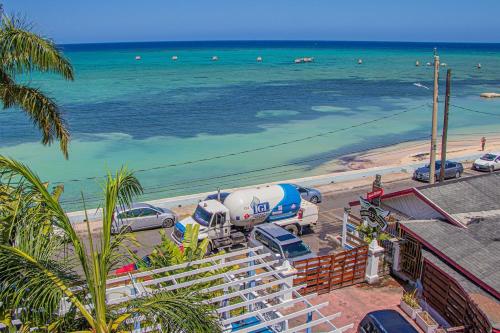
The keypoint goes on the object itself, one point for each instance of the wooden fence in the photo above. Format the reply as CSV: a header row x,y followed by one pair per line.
x,y
451,301
324,273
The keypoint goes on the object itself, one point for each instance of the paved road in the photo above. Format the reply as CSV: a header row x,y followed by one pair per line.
x,y
329,223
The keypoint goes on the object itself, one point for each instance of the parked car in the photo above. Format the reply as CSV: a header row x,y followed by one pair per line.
x,y
142,216
215,196
309,194
385,321
488,162
451,170
281,244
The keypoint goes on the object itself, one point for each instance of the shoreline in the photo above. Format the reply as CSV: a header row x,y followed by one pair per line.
x,y
397,161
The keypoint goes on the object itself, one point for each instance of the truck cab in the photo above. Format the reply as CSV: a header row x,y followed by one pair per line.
x,y
215,224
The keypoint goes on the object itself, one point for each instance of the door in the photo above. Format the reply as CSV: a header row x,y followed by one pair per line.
x,y
218,226
496,164
149,219
263,240
129,218
451,169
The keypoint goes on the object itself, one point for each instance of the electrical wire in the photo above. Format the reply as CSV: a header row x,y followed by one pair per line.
x,y
246,151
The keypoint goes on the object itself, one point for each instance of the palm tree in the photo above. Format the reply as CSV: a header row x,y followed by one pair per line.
x,y
36,277
22,52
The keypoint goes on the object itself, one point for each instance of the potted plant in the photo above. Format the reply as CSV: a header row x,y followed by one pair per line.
x,y
426,322
409,303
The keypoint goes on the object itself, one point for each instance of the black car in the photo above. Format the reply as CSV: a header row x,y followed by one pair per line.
x,y
385,321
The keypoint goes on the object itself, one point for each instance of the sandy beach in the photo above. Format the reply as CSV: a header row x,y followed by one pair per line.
x,y
398,155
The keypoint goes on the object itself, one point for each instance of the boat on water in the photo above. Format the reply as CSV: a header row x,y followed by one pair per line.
x,y
259,59
417,63
360,61
138,58
174,58
303,60
215,58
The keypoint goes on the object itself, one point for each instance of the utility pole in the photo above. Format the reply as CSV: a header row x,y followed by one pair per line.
x,y
444,138
432,171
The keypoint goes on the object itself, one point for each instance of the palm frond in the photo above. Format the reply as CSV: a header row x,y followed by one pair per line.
x,y
42,110
36,284
32,186
24,51
182,311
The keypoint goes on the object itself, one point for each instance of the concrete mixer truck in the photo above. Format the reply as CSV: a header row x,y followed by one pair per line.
x,y
227,224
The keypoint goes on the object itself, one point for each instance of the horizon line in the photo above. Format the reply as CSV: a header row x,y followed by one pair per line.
x,y
276,40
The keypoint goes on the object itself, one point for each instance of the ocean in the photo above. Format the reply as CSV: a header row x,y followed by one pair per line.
x,y
194,124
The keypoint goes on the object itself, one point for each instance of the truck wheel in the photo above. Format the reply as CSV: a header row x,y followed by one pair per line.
x,y
209,249
168,223
292,229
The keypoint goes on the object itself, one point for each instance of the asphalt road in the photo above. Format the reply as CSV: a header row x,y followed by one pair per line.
x,y
329,222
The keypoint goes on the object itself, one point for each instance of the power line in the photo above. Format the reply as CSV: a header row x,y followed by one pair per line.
x,y
476,111
169,187
246,151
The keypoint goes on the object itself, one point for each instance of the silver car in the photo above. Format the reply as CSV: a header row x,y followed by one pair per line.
x,y
281,244
142,216
309,194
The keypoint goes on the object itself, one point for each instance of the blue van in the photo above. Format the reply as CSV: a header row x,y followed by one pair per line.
x,y
385,321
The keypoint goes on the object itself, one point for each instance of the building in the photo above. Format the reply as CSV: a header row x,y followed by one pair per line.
x,y
450,245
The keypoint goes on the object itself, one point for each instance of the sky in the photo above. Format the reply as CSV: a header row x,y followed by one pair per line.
x,y
89,21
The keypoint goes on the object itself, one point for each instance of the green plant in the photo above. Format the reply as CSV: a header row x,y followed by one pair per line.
x,y
35,279
22,52
410,298
369,233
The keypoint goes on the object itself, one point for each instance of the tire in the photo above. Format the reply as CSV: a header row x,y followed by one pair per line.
x,y
209,249
292,228
168,223
458,174
126,229
315,200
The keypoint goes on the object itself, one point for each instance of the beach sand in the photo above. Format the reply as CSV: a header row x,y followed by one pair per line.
x,y
401,154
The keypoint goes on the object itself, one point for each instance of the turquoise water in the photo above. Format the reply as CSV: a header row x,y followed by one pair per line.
x,y
157,115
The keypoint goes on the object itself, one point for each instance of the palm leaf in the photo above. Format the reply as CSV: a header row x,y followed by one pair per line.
x,y
182,311
42,110
24,51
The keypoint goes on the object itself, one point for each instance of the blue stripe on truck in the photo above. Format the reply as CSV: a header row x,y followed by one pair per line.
x,y
289,204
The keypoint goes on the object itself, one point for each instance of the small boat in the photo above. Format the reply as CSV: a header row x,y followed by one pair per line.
x,y
360,61
417,63
479,66
138,58
428,64
302,60
259,59
215,58
174,58
443,64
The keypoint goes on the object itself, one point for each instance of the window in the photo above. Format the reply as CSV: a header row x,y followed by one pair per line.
x,y
294,250
218,220
130,214
202,216
302,190
261,238
148,212
274,247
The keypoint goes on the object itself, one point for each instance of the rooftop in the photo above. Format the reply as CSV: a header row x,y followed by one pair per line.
x,y
464,197
474,250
